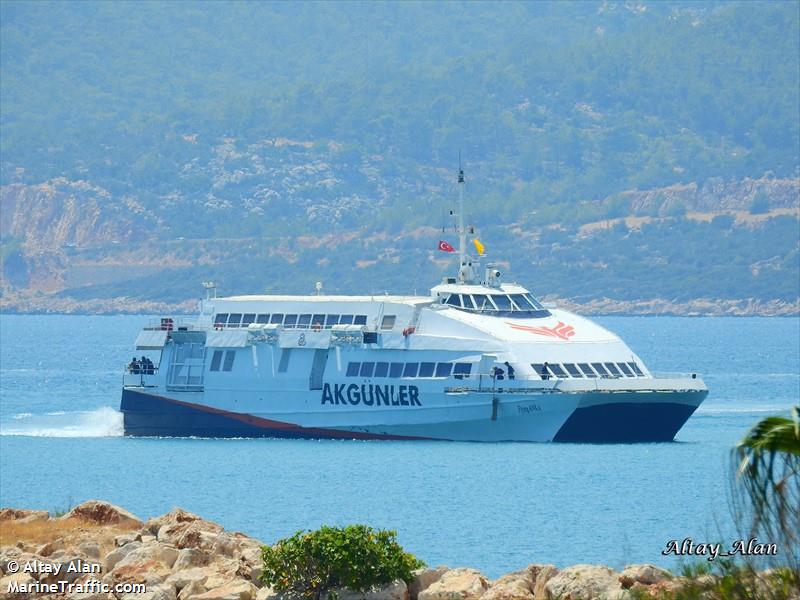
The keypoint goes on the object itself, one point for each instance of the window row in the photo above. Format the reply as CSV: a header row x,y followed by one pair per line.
x,y
289,321
493,302
605,370
227,364
410,369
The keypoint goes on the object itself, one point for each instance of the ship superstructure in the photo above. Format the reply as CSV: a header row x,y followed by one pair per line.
x,y
476,360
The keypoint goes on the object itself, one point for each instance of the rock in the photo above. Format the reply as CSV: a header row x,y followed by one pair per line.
x,y
50,547
226,544
235,590
191,557
397,590
72,568
192,590
113,557
102,513
150,572
90,550
586,582
514,586
22,515
154,592
423,578
17,580
178,516
644,574
456,584
541,575
180,579
90,594
127,538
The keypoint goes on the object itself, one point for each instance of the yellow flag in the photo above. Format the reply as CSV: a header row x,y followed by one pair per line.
x,y
478,246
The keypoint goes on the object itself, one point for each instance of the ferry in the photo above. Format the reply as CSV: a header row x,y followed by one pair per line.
x,y
477,359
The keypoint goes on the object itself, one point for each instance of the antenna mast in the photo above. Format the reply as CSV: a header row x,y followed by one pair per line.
x,y
462,233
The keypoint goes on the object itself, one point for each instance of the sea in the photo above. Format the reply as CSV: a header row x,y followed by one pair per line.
x,y
494,507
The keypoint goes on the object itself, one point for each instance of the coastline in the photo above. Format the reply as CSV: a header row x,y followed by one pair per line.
x,y
180,556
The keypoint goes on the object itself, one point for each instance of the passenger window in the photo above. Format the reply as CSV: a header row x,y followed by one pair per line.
x,y
612,369
367,368
215,360
290,321
331,320
480,302
573,370
540,370
462,370
229,356
381,369
556,370
352,369
263,319
346,320
234,319
388,321
502,302
636,369
410,370
426,369
360,320
587,370
624,368
443,369
454,300
221,319
601,370
396,370
276,319
318,321
303,321
248,318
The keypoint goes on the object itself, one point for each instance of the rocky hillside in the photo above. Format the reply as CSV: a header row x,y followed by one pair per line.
x,y
181,556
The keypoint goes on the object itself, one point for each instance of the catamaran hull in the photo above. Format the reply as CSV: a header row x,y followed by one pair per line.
x,y
568,417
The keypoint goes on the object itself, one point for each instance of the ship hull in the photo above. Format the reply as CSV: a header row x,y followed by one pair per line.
x,y
572,417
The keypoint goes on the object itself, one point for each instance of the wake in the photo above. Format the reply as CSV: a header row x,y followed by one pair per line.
x,y
102,422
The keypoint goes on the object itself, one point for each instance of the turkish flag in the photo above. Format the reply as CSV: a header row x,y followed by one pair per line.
x,y
445,247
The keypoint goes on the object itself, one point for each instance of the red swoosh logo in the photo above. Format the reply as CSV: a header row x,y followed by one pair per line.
x,y
561,330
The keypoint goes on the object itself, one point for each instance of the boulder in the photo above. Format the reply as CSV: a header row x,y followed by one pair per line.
x,y
644,574
192,590
154,592
113,557
90,550
183,578
22,515
585,582
191,557
50,547
149,572
178,516
72,568
102,513
423,578
166,555
127,538
514,586
541,575
397,590
456,584
18,580
234,590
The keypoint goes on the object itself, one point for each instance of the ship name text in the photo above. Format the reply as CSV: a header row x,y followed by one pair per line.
x,y
371,395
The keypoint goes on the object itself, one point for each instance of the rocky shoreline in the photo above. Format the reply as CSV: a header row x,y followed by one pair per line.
x,y
181,556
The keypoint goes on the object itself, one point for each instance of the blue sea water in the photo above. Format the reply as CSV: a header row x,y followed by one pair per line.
x,y
496,507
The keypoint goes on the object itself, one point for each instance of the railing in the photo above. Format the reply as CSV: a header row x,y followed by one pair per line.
x,y
138,376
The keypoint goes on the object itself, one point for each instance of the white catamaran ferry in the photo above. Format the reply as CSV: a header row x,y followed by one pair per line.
x,y
476,360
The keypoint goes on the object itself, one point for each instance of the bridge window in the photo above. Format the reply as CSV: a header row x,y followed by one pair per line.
x,y
388,321
290,321
215,360
454,300
601,370
556,370
381,369
466,299
346,320
276,319
624,368
396,370
410,370
443,369
248,318
303,321
534,302
502,302
426,369
331,320
229,356
481,302
520,303
462,370
612,369
636,369
263,319
366,369
234,319
360,320
587,370
352,369
573,370
220,320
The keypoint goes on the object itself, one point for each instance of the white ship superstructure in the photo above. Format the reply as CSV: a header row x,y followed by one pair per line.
x,y
476,360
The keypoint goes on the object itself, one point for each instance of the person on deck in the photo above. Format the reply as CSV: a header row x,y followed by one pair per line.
x,y
510,370
545,372
134,366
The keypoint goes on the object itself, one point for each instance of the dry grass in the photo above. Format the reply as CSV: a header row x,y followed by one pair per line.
x,y
45,531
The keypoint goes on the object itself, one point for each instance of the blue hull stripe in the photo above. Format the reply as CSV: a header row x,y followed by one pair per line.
x,y
150,415
625,422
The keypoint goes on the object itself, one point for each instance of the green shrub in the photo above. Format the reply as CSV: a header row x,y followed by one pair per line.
x,y
357,557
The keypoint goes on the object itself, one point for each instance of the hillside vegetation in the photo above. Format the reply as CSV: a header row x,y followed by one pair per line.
x,y
613,149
